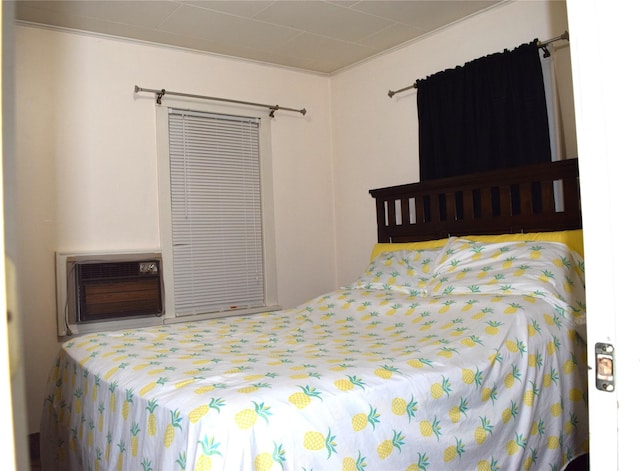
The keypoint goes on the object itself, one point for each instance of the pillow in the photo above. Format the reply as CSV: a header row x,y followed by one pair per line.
x,y
532,268
408,271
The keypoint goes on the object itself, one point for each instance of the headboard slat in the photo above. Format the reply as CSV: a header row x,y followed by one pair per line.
x,y
526,199
486,202
506,206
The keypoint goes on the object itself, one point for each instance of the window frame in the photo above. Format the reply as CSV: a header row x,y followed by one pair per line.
x,y
164,205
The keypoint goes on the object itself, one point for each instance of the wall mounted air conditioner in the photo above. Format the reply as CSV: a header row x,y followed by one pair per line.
x,y
106,291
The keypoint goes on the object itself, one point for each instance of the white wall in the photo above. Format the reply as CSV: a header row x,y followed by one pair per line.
x,y
86,164
376,138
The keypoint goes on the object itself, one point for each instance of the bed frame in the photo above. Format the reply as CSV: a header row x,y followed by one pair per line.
x,y
535,198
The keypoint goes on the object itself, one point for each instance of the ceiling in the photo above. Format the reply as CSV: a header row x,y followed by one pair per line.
x,y
314,35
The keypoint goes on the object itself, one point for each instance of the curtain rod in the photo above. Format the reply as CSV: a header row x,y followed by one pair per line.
x,y
540,44
160,93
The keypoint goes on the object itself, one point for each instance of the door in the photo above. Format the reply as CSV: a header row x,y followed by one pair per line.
x,y
604,56
13,443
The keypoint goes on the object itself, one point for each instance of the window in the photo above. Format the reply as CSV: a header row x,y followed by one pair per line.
x,y
216,222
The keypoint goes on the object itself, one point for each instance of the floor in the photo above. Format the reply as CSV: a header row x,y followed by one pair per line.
x,y
580,464
34,451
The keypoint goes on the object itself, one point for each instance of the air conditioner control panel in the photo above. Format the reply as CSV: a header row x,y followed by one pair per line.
x,y
148,268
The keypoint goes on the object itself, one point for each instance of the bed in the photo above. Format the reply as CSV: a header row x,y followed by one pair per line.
x,y
455,349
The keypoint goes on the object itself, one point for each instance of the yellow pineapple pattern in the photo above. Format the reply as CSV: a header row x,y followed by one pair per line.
x,y
316,441
483,430
170,431
246,418
196,414
152,426
360,421
266,460
209,449
401,407
386,447
303,398
453,451
354,464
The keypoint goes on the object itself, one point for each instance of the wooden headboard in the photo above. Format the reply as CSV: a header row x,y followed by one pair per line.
x,y
534,198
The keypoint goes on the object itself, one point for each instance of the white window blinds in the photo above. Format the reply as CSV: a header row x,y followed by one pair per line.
x,y
216,212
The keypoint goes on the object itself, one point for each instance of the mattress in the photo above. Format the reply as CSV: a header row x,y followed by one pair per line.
x,y
468,356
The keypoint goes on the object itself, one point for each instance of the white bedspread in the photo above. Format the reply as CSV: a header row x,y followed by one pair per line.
x,y
462,371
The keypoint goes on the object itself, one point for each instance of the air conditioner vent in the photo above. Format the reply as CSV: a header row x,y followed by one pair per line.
x,y
99,271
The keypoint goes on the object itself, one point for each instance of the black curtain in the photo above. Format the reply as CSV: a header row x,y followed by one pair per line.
x,y
488,114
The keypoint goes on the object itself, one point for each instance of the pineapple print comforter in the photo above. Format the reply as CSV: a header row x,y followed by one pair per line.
x,y
467,357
